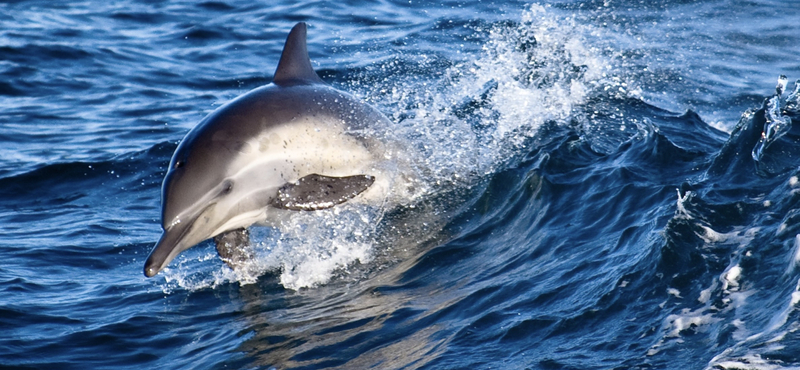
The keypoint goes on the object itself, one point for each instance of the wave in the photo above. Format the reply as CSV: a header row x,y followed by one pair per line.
x,y
62,183
569,222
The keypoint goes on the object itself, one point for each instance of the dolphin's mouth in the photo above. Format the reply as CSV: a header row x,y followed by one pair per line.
x,y
165,250
172,242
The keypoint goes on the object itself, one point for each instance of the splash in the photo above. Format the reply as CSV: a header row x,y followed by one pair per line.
x,y
312,247
776,151
484,110
305,250
777,125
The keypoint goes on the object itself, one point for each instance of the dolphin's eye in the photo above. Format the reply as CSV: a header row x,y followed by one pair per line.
x,y
227,187
179,164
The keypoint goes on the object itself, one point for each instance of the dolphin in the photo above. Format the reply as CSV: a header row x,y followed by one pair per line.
x,y
296,144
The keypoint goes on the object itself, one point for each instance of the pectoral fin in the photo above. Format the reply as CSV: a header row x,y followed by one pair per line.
x,y
234,247
315,192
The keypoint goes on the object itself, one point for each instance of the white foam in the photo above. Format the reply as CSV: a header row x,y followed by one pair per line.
x,y
526,76
749,361
705,294
674,324
731,278
795,295
795,259
712,236
688,319
308,248
681,211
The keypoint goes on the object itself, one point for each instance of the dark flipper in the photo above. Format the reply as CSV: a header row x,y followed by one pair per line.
x,y
234,247
315,192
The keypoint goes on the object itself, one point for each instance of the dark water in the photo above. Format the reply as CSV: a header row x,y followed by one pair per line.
x,y
611,185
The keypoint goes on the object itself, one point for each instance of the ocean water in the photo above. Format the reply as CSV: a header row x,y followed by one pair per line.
x,y
607,185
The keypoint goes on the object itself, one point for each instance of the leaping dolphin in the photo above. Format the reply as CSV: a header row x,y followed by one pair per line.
x,y
296,144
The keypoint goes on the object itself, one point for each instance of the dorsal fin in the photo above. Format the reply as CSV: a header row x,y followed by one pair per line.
x,y
295,65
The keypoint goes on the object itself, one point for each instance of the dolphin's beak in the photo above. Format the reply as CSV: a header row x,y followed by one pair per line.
x,y
173,241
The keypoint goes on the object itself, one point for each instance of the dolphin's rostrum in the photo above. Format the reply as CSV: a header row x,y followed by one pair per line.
x,y
296,144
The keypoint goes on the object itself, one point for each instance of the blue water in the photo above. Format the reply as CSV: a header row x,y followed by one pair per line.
x,y
610,185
